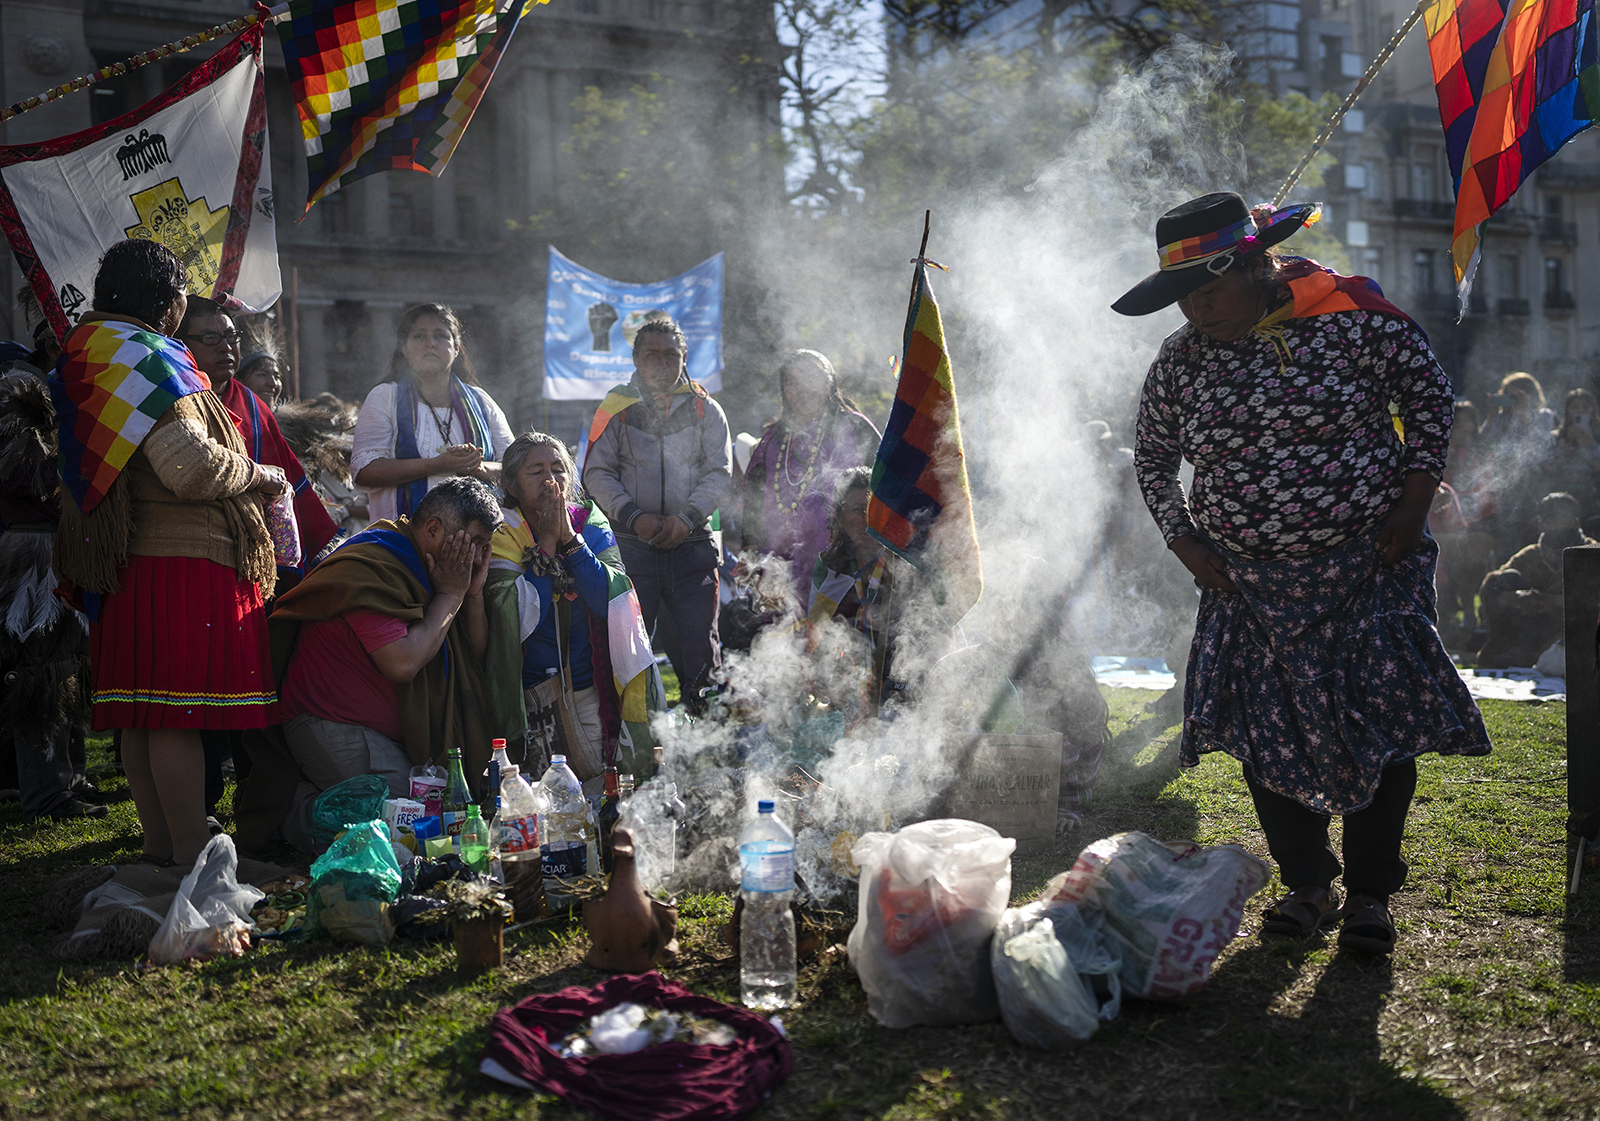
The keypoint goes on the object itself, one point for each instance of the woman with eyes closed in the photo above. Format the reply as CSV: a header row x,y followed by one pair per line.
x,y
431,420
1316,660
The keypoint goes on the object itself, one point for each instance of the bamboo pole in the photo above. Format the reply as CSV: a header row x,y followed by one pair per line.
x,y
155,54
1338,115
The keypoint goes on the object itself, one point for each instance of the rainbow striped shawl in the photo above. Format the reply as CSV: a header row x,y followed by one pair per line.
x,y
115,379
620,642
620,397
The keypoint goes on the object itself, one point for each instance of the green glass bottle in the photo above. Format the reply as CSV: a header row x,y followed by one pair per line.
x,y
457,800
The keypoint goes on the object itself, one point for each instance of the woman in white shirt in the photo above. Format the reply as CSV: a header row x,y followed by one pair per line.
x,y
430,422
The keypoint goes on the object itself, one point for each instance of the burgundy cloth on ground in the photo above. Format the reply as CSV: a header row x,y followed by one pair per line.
x,y
667,1082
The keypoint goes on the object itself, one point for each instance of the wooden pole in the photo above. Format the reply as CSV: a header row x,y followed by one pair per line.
x,y
1338,114
294,329
922,254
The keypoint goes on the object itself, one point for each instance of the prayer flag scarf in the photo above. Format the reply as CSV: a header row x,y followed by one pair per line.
x,y
622,397
115,379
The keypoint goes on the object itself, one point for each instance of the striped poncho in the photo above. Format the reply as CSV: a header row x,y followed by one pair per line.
x,y
625,673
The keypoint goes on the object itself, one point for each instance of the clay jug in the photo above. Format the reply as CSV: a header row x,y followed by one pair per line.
x,y
628,930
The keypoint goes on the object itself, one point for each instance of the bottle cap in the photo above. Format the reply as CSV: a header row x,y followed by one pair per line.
x,y
554,759
764,806
498,744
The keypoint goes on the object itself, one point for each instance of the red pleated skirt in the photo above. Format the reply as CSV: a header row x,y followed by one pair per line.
x,y
182,644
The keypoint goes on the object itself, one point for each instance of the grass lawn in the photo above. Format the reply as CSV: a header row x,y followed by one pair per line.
x,y
1490,1008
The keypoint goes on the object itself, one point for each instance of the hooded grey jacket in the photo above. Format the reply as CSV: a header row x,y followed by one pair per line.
x,y
677,464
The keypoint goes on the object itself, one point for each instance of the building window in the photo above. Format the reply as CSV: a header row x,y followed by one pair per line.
x,y
1554,282
1422,181
1422,271
1372,264
1552,206
1510,278
589,7
334,212
1355,176
408,215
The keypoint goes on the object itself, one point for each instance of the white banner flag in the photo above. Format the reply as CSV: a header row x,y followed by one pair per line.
x,y
189,169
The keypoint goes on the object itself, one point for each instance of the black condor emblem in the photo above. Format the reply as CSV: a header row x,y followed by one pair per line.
x,y
142,153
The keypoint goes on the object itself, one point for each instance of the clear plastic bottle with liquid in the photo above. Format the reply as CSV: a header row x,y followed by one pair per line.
x,y
567,832
766,927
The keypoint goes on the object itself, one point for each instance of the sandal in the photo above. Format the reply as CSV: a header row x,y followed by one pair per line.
x,y
1368,926
1302,913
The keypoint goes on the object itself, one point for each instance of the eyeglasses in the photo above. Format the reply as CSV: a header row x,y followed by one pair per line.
x,y
213,338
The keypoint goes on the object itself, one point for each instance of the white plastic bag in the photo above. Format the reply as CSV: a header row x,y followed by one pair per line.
x,y
210,915
1045,960
1169,908
930,897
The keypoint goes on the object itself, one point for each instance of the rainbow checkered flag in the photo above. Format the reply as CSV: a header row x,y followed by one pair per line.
x,y
387,85
1515,79
921,506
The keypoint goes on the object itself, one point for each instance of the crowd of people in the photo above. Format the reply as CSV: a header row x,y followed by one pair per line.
x,y
307,591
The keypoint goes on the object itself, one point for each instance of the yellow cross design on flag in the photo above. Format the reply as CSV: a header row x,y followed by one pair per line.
x,y
188,227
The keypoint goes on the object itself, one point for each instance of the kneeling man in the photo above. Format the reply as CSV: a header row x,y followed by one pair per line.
x,y
379,655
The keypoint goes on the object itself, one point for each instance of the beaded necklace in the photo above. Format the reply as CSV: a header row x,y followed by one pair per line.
x,y
785,470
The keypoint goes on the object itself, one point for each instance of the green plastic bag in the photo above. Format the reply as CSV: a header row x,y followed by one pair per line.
x,y
352,885
355,799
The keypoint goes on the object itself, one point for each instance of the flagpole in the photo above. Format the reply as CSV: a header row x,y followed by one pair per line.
x,y
1338,114
188,43
922,253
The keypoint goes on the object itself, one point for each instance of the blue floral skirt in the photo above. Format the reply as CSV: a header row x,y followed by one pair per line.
x,y
1323,670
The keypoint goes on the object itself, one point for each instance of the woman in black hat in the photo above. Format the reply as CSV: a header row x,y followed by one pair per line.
x,y
1316,661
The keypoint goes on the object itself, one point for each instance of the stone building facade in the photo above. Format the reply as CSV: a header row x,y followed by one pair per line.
x,y
364,254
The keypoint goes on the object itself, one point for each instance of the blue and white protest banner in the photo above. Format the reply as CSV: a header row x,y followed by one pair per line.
x,y
590,321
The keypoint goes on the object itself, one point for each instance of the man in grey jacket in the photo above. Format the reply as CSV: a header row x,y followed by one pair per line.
x,y
660,467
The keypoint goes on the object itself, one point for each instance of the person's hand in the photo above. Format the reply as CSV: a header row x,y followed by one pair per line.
x,y
271,481
646,526
671,534
451,567
1209,569
457,459
1401,532
480,570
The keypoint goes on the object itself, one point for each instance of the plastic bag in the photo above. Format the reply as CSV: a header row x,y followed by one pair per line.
x,y
1169,908
930,897
355,799
427,786
1047,963
210,916
352,885
284,529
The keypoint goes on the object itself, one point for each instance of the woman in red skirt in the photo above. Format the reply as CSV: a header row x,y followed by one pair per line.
x,y
165,537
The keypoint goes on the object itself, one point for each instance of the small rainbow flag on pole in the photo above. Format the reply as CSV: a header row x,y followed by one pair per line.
x,y
921,505
386,85
1516,79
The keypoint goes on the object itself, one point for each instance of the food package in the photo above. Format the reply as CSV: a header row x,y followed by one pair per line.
x,y
402,813
284,529
1169,908
210,915
1051,967
427,786
930,897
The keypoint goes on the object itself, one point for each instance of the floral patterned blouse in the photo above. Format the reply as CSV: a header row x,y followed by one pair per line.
x,y
1294,448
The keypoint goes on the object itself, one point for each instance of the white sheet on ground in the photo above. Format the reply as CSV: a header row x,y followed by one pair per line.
x,y
1519,683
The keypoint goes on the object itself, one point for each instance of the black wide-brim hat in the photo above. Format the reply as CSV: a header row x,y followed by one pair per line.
x,y
1200,240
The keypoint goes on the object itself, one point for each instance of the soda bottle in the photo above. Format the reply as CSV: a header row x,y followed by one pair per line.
x,y
566,831
608,816
475,841
457,797
517,836
766,929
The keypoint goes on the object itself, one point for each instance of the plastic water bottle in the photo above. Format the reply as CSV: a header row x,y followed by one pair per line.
x,y
766,929
566,831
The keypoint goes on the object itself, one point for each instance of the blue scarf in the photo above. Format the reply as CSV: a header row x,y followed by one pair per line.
x,y
466,407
